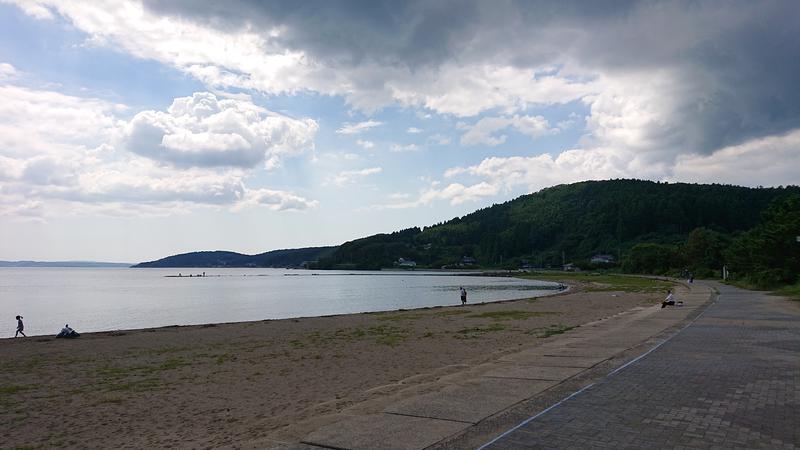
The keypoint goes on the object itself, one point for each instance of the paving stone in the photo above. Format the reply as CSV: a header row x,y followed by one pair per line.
x,y
471,401
729,380
532,372
384,432
535,357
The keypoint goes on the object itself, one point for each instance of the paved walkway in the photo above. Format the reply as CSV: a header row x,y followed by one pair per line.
x,y
729,380
468,408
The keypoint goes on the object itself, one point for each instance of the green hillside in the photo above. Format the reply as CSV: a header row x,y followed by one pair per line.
x,y
574,221
275,258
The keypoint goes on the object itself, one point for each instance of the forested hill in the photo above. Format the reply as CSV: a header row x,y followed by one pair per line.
x,y
580,220
276,258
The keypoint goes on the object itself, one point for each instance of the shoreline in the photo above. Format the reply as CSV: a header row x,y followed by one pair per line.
x,y
207,324
265,381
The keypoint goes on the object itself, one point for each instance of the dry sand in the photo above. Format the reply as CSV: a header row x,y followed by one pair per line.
x,y
253,383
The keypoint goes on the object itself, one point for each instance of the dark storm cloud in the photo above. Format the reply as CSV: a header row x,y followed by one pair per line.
x,y
733,65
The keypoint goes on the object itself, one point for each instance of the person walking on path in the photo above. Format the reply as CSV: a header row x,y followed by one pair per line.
x,y
20,327
463,295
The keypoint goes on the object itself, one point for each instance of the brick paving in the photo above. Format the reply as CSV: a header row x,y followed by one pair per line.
x,y
731,379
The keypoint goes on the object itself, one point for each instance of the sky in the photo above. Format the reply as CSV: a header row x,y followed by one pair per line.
x,y
134,130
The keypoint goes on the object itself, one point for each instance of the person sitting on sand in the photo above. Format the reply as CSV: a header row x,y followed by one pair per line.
x,y
670,300
20,327
67,332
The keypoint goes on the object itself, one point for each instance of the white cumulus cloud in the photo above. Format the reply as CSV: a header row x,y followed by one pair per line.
x,y
365,144
349,176
356,128
59,155
205,131
484,131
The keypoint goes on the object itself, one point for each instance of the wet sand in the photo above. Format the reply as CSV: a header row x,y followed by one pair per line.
x,y
253,384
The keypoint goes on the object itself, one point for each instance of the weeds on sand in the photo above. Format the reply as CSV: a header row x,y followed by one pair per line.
x,y
382,334
6,392
606,282
474,332
108,401
394,316
509,315
13,389
792,291
148,384
161,350
551,330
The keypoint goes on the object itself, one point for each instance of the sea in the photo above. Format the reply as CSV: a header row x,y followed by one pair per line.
x,y
105,299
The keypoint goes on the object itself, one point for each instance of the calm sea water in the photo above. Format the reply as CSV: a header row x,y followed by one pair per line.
x,y
112,299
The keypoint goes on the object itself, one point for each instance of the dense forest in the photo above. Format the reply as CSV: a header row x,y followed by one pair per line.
x,y
276,258
646,227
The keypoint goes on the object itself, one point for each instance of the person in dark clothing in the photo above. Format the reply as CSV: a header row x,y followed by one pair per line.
x,y
20,327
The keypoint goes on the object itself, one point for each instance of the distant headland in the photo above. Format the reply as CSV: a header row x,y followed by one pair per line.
x,y
97,264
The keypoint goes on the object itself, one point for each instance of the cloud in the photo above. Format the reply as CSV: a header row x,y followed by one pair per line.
x,y
356,128
769,161
399,148
204,131
7,72
275,200
413,130
349,176
454,193
365,144
483,132
663,82
59,157
439,139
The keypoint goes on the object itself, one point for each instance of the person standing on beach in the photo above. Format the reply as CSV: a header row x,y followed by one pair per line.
x,y
463,295
20,327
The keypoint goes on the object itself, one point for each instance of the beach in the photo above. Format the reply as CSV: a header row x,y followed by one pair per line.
x,y
259,384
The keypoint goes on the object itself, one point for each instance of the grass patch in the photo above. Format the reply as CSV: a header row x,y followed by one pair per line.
x,y
382,334
792,291
14,389
109,401
552,330
509,315
112,373
161,350
225,357
451,312
404,316
393,316
473,332
605,282
149,384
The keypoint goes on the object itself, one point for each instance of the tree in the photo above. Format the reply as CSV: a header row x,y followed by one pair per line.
x,y
651,259
769,254
703,251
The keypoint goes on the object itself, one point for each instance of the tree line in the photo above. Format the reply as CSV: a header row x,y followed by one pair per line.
x,y
648,227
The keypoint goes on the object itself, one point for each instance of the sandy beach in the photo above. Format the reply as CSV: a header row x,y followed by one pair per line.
x,y
254,384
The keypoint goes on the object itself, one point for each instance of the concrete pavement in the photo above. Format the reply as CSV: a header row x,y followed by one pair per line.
x,y
470,407
729,380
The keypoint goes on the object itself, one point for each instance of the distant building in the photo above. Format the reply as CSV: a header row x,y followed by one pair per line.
x,y
468,261
402,262
569,267
602,259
